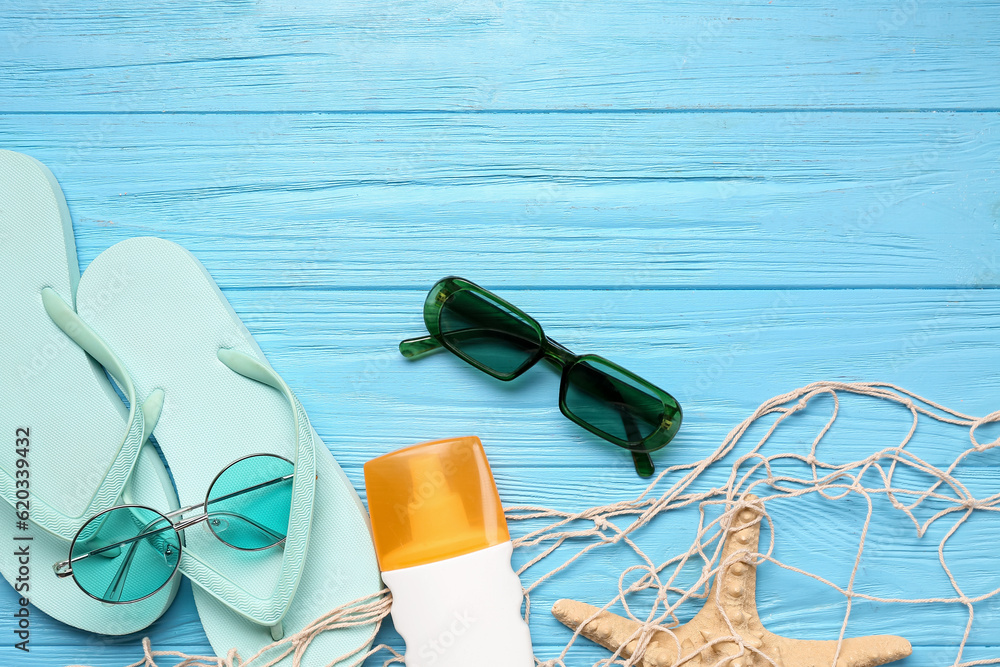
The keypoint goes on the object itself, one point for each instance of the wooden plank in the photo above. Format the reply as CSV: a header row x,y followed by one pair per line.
x,y
689,200
446,55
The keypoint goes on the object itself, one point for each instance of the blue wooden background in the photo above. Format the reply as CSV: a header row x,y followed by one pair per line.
x,y
732,198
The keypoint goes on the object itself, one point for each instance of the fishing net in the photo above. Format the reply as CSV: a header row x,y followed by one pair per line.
x,y
656,591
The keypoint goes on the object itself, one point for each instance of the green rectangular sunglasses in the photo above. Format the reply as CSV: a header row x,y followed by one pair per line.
x,y
500,339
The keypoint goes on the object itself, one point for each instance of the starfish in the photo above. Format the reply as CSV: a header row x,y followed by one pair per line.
x,y
731,612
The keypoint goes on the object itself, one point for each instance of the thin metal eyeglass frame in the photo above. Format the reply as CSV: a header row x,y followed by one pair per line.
x,y
64,568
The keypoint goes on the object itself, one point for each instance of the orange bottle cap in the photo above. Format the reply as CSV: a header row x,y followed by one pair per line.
x,y
433,501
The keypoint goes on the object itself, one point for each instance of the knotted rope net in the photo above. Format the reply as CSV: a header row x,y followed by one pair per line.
x,y
878,476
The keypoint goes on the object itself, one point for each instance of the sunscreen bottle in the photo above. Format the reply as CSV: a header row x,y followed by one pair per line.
x,y
444,551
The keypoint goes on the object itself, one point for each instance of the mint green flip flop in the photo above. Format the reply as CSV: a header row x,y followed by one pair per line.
x,y
74,448
222,401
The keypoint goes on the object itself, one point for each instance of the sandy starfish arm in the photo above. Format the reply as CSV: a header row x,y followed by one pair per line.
x,y
612,631
730,611
854,652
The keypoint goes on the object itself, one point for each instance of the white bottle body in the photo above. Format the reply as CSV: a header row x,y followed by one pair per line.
x,y
461,611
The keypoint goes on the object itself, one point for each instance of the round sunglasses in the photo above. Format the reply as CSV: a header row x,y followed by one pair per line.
x,y
500,339
128,553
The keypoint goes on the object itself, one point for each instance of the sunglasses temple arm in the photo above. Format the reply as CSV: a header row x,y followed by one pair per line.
x,y
184,510
261,528
411,348
642,460
113,591
114,588
270,482
130,541
643,463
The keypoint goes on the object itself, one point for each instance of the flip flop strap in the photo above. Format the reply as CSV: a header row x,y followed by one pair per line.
x,y
271,609
117,475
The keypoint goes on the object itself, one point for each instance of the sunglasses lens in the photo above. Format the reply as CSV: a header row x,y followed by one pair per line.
x,y
617,405
488,334
249,502
125,554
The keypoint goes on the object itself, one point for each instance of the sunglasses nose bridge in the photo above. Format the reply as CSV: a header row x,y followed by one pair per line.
x,y
557,353
187,523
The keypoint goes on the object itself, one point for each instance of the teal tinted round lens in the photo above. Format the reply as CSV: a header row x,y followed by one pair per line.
x,y
488,335
249,502
125,554
619,406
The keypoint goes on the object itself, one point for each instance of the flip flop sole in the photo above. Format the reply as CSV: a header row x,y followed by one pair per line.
x,y
62,599
168,325
60,397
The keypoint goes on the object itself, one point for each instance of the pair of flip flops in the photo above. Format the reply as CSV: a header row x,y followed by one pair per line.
x,y
148,314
